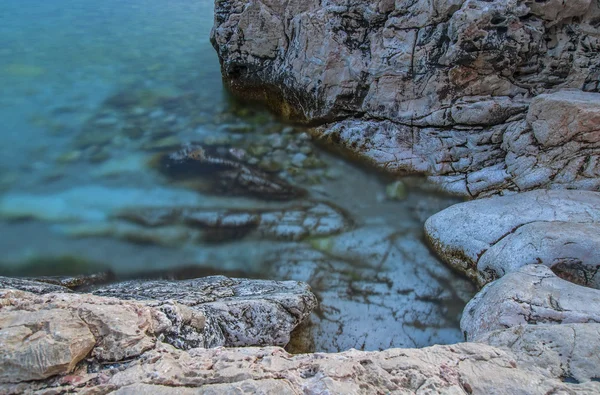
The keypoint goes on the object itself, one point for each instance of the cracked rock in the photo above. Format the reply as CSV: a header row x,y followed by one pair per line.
x,y
437,88
571,351
529,295
239,312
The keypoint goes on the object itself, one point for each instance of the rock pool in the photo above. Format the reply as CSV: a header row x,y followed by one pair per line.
x,y
96,95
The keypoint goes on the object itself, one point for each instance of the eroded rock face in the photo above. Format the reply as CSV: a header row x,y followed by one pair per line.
x,y
487,238
239,312
436,88
530,295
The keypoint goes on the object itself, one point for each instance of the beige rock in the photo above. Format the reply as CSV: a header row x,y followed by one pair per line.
x,y
457,369
35,345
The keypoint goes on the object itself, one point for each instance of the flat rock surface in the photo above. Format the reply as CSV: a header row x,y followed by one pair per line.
x,y
529,295
247,312
475,237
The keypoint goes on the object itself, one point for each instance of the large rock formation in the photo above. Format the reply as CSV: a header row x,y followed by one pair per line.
x,y
468,92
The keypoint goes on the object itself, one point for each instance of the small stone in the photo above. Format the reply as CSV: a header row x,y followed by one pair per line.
x,y
306,150
304,136
298,159
270,165
396,191
287,130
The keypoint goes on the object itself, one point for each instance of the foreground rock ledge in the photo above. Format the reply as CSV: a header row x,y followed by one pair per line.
x,y
64,342
467,368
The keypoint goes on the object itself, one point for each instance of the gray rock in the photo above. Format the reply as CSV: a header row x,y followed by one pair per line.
x,y
569,249
530,295
239,312
477,237
430,87
570,351
35,287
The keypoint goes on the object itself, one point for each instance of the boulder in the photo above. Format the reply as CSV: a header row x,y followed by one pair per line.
x,y
529,295
487,238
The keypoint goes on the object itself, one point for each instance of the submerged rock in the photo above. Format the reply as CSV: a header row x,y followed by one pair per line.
x,y
377,289
228,174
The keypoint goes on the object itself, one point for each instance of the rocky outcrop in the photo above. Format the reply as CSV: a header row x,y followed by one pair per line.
x,y
530,295
468,92
239,312
487,238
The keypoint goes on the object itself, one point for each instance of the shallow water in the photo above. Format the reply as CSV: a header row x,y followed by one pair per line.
x,y
94,92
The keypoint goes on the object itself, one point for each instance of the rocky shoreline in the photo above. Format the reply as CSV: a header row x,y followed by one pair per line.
x,y
497,101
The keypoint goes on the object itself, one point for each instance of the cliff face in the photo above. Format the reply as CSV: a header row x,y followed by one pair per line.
x,y
470,93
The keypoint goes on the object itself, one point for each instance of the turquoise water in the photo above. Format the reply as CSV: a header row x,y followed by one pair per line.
x,y
94,94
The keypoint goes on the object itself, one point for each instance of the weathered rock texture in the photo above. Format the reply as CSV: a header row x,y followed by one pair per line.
x,y
570,351
239,312
487,238
458,369
530,295
468,92
45,335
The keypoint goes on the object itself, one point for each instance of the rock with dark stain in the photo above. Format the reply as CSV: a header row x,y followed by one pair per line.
x,y
226,173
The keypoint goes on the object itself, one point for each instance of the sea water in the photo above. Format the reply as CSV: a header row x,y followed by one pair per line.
x,y
95,93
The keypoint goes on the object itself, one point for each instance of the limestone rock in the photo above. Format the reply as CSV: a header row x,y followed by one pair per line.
x,y
39,344
430,87
477,237
246,312
458,369
570,351
530,295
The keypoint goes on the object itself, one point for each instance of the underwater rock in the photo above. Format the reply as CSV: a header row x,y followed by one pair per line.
x,y
377,289
228,174
175,226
